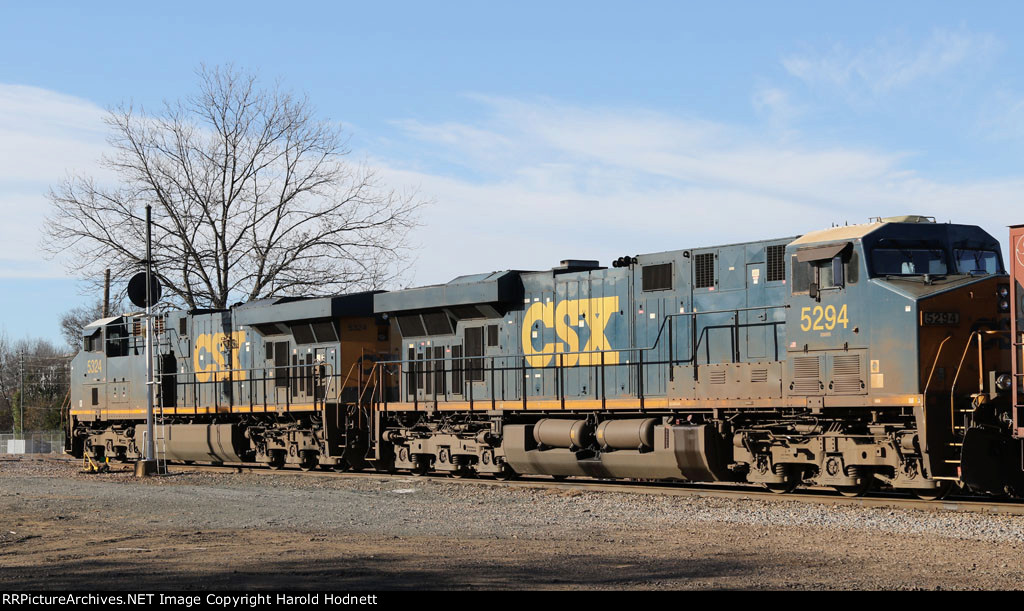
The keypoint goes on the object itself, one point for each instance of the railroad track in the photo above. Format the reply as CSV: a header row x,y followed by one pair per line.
x,y
726,491
820,496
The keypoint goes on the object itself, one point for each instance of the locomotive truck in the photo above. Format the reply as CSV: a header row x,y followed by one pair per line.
x,y
856,356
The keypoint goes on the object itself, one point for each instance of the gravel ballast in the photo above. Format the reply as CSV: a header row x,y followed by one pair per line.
x,y
60,528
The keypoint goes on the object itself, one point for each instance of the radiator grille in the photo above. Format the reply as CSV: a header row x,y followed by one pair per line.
x,y
806,375
846,374
806,367
806,387
758,375
657,277
843,366
776,263
704,270
717,377
847,386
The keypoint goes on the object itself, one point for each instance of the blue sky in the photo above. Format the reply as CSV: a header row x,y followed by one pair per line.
x,y
552,130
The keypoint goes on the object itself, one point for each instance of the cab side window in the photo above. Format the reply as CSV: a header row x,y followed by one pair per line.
x,y
94,342
834,273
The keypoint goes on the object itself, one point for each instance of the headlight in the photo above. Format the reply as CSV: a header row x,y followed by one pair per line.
x,y
1004,291
1004,381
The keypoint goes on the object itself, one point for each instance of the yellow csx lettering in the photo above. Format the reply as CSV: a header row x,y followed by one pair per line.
x,y
565,318
212,365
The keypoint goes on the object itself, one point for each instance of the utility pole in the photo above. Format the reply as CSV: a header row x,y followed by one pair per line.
x,y
106,292
21,392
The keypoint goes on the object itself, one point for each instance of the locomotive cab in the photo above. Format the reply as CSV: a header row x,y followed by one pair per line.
x,y
102,388
903,312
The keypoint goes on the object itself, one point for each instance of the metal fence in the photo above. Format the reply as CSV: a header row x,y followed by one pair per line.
x,y
33,442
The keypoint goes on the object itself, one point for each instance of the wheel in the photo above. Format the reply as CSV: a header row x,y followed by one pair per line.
x,y
506,472
463,472
867,479
355,462
854,491
326,467
308,462
422,467
785,487
790,483
934,494
276,460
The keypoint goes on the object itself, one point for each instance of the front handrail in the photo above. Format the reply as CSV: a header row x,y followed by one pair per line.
x,y
981,370
935,362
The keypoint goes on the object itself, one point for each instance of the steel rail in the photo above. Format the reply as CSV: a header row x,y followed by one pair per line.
x,y
817,495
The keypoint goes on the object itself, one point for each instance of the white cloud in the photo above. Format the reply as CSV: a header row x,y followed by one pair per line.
x,y
586,183
542,181
887,66
776,107
44,136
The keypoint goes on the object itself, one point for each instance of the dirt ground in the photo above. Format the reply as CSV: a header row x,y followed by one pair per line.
x,y
63,530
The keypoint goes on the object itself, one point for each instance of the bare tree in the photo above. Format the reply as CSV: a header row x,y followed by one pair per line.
x,y
10,376
252,197
41,369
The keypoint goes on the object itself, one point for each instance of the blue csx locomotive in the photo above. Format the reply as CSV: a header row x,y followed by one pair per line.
x,y
874,354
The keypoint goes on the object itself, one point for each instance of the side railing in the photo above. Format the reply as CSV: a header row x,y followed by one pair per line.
x,y
285,388
308,384
431,374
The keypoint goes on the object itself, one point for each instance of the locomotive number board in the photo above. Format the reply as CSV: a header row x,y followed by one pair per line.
x,y
940,318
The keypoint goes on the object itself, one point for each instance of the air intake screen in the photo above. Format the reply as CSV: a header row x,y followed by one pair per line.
x,y
776,263
657,277
457,367
439,379
704,270
411,326
303,334
324,332
474,347
464,312
438,323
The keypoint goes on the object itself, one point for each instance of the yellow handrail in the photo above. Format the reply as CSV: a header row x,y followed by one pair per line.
x,y
981,371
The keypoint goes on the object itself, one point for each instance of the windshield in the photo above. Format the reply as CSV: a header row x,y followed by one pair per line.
x,y
972,260
908,261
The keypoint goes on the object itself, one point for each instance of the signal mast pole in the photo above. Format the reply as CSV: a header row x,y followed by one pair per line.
x,y
148,465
